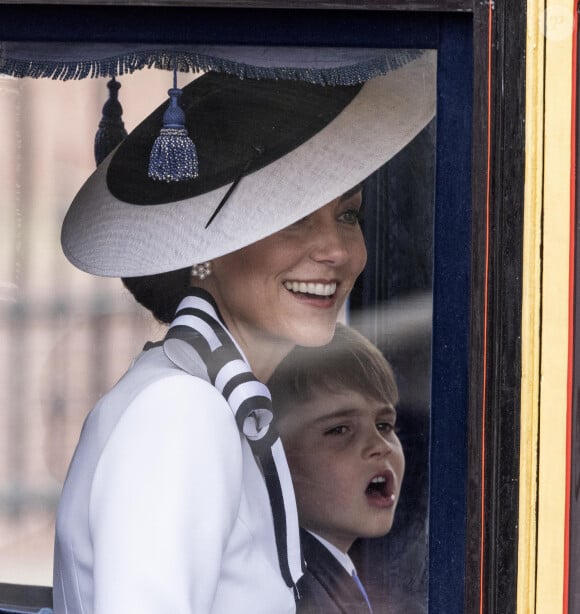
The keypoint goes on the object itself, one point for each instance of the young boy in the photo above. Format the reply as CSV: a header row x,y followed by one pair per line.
x,y
335,407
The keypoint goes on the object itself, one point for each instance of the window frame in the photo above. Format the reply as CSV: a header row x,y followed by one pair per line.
x,y
492,369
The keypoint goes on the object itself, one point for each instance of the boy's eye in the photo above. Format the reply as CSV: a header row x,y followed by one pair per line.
x,y
337,430
385,427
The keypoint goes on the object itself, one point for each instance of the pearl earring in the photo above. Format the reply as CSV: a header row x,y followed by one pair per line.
x,y
201,270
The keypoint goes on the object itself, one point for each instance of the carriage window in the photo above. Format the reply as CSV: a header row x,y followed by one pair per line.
x,y
67,337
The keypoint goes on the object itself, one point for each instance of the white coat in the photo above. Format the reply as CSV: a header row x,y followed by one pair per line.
x,y
164,509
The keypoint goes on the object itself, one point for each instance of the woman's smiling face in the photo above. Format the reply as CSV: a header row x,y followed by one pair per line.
x,y
289,287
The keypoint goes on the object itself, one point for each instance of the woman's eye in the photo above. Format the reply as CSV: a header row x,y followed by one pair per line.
x,y
337,430
351,216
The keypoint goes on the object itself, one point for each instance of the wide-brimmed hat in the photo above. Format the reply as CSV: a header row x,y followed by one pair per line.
x,y
295,145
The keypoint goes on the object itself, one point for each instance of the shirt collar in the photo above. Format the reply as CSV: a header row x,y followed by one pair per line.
x,y
339,555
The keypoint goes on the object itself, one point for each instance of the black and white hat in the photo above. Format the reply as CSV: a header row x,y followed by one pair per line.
x,y
288,146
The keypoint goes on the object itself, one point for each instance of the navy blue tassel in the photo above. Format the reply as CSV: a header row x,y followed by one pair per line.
x,y
111,130
173,156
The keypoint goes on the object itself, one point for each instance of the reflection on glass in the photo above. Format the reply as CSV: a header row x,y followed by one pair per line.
x,y
393,308
67,337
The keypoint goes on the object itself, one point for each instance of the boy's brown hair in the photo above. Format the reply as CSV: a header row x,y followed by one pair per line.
x,y
349,362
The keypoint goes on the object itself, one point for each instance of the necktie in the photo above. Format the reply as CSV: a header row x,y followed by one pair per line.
x,y
362,590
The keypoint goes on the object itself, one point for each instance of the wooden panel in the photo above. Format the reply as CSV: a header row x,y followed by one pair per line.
x,y
383,5
492,520
574,434
574,485
531,312
478,301
555,308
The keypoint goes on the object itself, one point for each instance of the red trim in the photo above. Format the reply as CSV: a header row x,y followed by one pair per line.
x,y
571,267
485,307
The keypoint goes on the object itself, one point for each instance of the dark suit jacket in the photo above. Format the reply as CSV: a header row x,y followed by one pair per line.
x,y
326,587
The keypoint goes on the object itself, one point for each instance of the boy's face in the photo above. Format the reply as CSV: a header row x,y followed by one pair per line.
x,y
347,465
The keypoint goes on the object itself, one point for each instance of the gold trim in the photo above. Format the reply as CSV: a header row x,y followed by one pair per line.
x,y
546,287
531,297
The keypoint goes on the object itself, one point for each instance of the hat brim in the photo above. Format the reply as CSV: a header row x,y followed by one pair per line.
x,y
109,237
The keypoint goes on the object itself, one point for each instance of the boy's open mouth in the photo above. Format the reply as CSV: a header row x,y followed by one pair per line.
x,y
381,487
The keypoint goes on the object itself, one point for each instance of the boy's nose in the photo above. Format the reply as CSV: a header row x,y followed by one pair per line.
x,y
377,445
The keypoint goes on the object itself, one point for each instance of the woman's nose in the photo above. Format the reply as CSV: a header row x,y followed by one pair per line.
x,y
329,243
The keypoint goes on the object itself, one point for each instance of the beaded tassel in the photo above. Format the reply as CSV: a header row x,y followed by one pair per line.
x,y
111,129
173,156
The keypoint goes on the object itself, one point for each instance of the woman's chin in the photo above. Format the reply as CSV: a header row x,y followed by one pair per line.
x,y
315,336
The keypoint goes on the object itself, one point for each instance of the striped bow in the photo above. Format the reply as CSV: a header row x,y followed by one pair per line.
x,y
197,330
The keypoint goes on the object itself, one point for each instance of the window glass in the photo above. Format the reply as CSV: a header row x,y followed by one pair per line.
x,y
66,337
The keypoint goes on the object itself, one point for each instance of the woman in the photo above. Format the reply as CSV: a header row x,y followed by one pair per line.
x,y
178,498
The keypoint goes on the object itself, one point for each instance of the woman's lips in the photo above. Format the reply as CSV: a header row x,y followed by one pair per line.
x,y
317,289
318,294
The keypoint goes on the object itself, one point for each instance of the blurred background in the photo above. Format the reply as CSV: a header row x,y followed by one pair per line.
x,y
65,336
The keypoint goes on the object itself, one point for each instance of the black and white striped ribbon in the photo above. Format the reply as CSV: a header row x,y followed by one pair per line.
x,y
197,330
